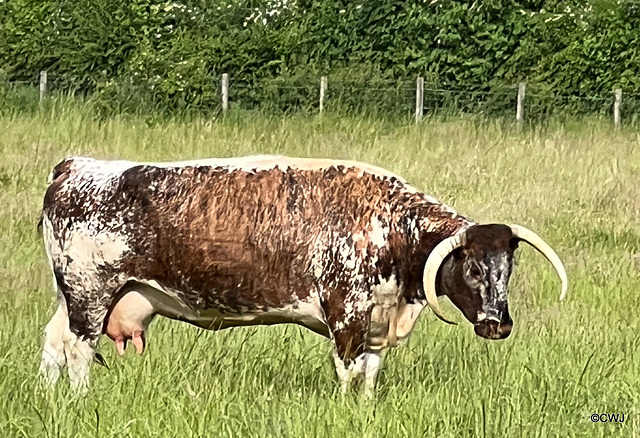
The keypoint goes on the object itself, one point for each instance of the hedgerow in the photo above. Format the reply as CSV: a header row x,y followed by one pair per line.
x,y
172,53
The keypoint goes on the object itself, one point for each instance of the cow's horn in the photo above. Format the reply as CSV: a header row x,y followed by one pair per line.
x,y
435,259
536,241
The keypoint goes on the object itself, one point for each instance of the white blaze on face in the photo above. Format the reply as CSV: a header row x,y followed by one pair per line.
x,y
499,267
496,269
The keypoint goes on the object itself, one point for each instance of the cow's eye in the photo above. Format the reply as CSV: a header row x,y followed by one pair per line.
x,y
476,273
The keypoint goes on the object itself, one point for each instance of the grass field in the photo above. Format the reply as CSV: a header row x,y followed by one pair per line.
x,y
576,184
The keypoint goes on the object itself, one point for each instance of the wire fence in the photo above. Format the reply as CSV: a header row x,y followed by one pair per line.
x,y
398,97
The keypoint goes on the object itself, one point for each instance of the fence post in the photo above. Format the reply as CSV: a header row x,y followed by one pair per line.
x,y
225,92
323,90
43,84
616,108
522,87
419,98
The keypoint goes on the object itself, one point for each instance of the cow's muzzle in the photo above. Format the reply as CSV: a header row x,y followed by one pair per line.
x,y
494,328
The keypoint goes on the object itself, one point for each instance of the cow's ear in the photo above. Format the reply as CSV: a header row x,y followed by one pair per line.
x,y
513,243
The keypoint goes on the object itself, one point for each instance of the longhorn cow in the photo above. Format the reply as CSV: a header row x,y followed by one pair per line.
x,y
348,250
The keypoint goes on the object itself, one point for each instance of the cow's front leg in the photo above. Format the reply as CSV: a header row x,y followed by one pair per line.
x,y
364,368
348,334
356,359
373,361
348,370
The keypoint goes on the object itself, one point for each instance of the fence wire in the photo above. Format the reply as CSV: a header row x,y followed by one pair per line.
x,y
385,97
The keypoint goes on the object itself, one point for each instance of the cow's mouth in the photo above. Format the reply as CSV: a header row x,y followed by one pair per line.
x,y
493,329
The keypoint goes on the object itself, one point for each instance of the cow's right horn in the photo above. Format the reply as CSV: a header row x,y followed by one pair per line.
x,y
431,267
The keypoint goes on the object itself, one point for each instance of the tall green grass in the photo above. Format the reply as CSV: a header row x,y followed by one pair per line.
x,y
575,183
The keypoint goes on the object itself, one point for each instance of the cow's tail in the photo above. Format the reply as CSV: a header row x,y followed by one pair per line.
x,y
39,226
60,169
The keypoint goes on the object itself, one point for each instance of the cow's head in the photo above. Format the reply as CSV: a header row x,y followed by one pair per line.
x,y
474,267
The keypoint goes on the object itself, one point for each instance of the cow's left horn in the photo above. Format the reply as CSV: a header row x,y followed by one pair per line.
x,y
435,259
536,241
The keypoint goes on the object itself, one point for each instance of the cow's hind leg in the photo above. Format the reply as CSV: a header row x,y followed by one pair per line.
x,y
53,355
87,308
80,353
63,347
67,344
85,327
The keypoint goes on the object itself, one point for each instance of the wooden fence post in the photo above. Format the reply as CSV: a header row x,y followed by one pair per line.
x,y
616,108
419,98
522,87
323,90
43,84
225,92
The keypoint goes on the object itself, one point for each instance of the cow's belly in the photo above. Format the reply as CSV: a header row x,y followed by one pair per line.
x,y
304,313
132,312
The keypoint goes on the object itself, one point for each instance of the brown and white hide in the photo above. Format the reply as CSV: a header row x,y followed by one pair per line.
x,y
337,247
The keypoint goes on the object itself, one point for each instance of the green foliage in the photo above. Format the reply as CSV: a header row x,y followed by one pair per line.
x,y
171,54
